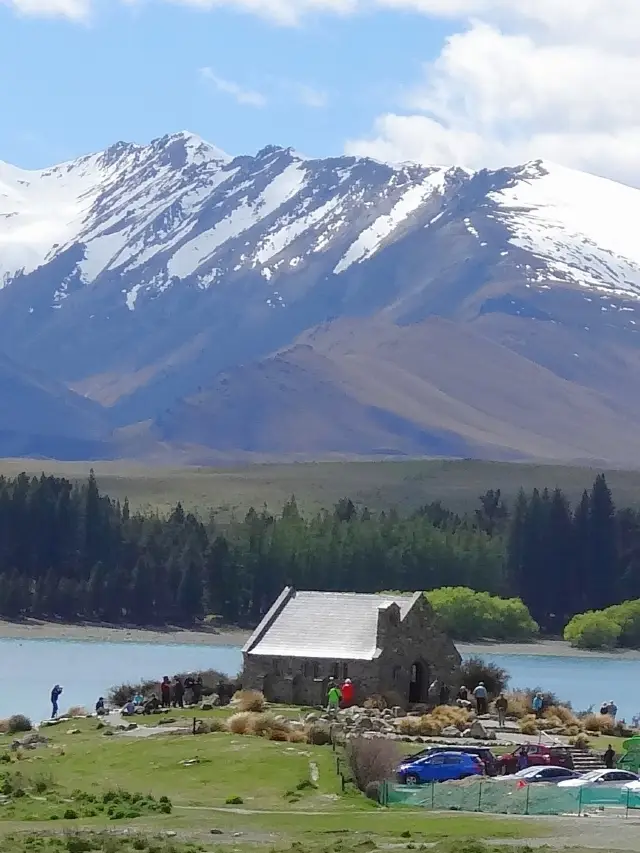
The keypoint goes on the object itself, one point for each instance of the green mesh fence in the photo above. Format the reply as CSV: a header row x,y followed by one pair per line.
x,y
502,796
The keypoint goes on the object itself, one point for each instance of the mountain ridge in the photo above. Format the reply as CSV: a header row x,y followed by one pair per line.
x,y
140,277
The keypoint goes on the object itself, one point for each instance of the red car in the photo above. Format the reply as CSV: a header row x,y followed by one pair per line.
x,y
537,755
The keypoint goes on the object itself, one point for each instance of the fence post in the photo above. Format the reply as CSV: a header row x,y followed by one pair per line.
x,y
526,808
480,797
580,802
628,796
433,793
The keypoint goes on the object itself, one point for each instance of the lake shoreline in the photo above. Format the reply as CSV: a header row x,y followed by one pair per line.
x,y
36,630
229,636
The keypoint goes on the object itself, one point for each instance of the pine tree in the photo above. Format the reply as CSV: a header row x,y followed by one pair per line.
x,y
604,568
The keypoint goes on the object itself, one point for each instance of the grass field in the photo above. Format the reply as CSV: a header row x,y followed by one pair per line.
x,y
89,792
233,786
379,485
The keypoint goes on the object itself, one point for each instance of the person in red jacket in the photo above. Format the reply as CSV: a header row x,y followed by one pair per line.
x,y
347,693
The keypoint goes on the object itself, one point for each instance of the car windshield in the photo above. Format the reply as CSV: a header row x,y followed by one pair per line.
x,y
528,771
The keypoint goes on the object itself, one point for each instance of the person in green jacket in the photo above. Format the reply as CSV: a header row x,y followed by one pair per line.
x,y
333,697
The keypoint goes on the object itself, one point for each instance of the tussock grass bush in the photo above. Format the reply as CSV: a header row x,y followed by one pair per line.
x,y
376,702
529,726
602,723
562,713
18,723
581,741
371,760
278,735
240,723
249,700
410,726
430,726
206,727
4,727
426,726
447,715
551,722
77,711
265,724
298,736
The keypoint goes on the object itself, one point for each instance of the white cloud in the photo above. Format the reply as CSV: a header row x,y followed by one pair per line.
x,y
74,9
558,79
316,99
243,96
284,12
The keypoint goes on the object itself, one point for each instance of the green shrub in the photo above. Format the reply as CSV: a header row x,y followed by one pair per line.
x,y
592,630
627,616
469,615
18,723
234,801
70,814
475,670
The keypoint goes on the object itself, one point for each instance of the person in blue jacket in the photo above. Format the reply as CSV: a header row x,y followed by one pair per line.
x,y
55,695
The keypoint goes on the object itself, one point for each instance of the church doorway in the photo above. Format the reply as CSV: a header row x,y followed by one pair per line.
x,y
418,684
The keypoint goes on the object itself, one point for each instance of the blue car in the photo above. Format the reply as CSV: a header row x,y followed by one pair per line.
x,y
440,767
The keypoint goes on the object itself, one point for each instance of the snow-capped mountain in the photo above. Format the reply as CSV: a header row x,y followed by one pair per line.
x,y
136,277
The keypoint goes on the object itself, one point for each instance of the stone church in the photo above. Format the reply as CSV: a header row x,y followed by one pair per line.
x,y
384,643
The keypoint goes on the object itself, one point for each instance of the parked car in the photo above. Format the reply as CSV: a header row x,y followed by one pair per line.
x,y
440,767
612,778
537,755
550,774
489,760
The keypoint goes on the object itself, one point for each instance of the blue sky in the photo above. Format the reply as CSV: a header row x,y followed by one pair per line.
x,y
468,82
137,73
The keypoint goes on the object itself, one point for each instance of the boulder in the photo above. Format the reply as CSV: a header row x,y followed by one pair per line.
x,y
477,731
451,732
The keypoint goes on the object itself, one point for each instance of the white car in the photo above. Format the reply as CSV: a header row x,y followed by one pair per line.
x,y
611,778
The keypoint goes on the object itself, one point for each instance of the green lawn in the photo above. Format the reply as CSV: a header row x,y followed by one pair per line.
x,y
227,783
378,485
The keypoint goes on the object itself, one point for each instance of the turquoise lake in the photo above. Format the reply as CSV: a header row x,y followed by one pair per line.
x,y
86,670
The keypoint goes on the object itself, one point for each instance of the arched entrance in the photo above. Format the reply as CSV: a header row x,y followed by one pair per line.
x,y
418,683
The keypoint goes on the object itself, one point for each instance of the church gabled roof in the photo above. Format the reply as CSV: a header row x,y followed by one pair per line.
x,y
334,625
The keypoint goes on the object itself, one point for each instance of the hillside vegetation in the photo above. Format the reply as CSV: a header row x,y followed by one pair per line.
x,y
379,485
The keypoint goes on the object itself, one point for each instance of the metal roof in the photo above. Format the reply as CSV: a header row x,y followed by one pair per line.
x,y
335,625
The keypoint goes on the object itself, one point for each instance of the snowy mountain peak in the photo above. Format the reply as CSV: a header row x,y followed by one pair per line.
x,y
138,220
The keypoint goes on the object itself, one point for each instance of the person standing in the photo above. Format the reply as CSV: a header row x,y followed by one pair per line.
x,y
333,697
178,693
609,758
502,707
55,695
481,696
188,689
538,705
197,689
165,692
347,691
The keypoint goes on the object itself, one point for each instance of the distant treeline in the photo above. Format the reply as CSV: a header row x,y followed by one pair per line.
x,y
69,552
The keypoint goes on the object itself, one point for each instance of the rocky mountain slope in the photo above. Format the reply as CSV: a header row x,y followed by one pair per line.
x,y
279,305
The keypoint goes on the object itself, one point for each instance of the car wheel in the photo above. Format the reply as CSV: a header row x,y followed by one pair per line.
x,y
412,780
